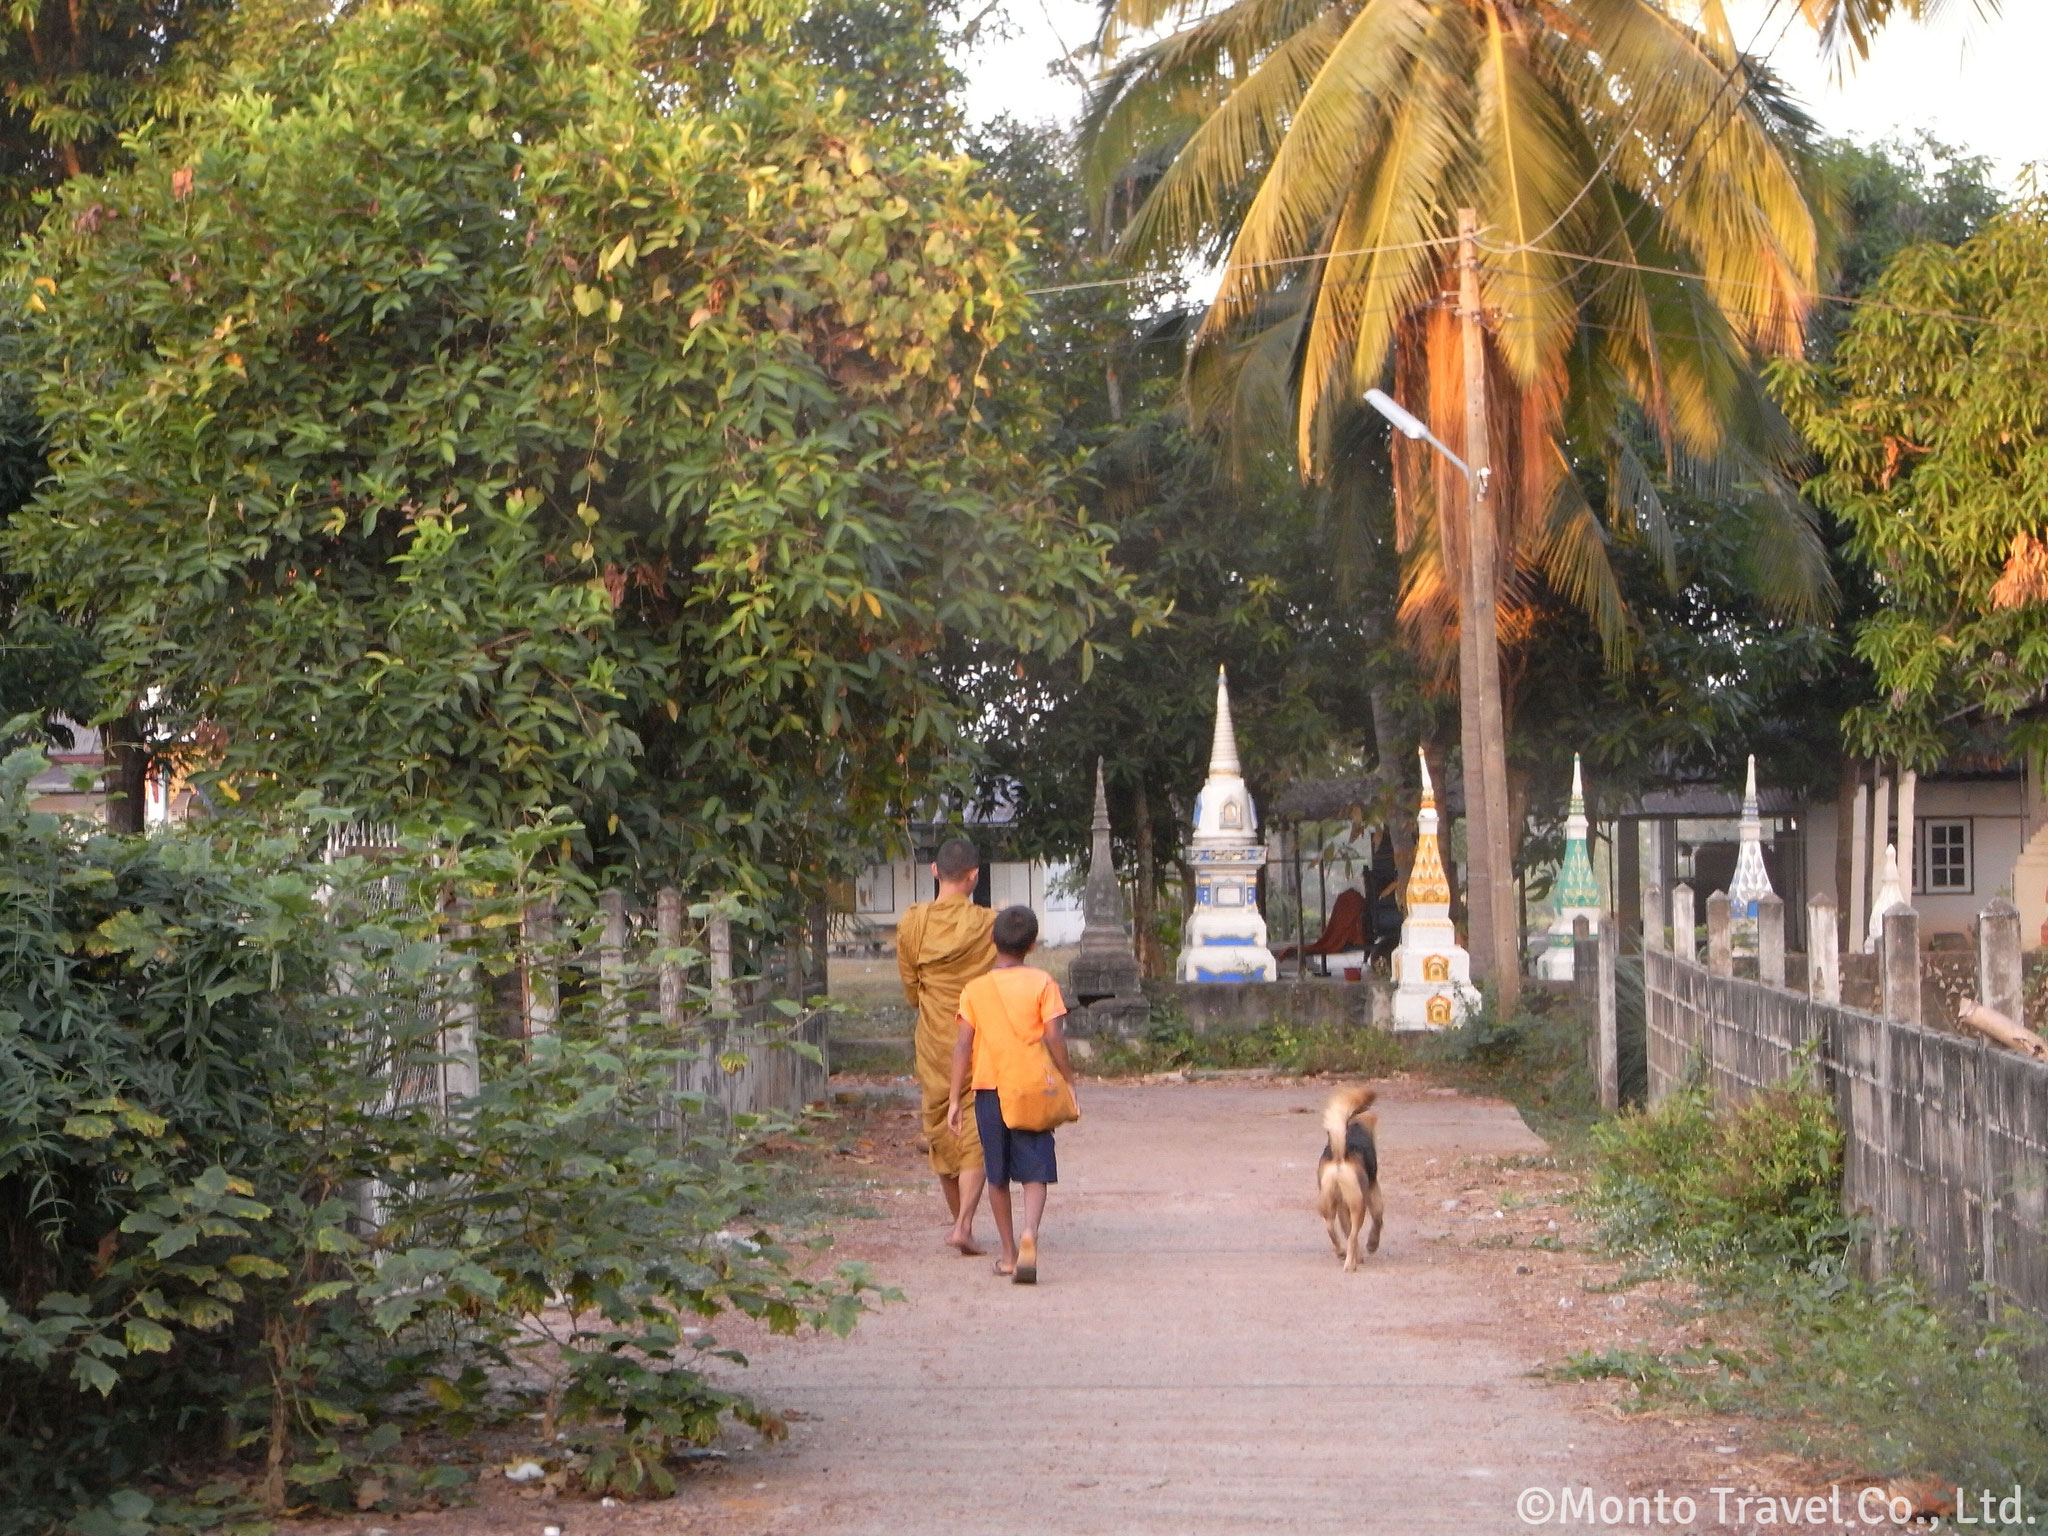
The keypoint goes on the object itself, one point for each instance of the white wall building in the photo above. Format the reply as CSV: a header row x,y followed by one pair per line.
x,y
886,890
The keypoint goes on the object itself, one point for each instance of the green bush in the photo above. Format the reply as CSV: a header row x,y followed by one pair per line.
x,y
1758,1183
240,1239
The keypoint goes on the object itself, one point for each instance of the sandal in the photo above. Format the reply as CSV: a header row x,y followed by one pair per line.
x,y
1027,1261
1005,1270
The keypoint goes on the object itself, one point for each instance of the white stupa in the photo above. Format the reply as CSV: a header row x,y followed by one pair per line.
x,y
1750,883
1889,895
1225,939
1432,974
1576,892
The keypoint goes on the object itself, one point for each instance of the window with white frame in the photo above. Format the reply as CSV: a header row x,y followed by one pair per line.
x,y
874,893
1943,857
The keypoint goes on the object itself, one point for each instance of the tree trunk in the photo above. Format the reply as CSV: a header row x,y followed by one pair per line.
x,y
127,773
1488,844
818,977
1845,833
1145,895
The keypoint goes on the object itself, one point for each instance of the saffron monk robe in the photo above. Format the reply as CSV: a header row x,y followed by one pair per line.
x,y
941,946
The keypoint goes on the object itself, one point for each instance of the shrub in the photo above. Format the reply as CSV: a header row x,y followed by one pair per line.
x,y
237,1234
1755,1183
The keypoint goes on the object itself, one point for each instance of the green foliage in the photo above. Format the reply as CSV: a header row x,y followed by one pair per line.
x,y
1168,1045
1928,426
74,77
239,1220
1758,1183
557,435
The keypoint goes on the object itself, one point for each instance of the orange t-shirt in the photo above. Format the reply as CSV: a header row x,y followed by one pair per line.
x,y
1008,1009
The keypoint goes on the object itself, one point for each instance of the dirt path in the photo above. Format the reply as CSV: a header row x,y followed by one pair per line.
x,y
1195,1361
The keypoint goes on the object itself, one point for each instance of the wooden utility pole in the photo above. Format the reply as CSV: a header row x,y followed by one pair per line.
x,y
1489,844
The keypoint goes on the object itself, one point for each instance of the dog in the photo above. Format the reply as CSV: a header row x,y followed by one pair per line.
x,y
1348,1174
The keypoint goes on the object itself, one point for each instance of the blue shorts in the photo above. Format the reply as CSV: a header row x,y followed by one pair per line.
x,y
1025,1156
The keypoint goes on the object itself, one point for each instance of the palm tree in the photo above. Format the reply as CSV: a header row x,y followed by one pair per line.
x,y
1647,233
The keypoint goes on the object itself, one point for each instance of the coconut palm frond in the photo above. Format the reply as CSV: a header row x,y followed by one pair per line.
x,y
1536,162
1638,506
1339,125
1163,89
1574,560
1233,145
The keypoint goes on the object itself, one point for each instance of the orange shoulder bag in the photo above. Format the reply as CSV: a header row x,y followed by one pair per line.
x,y
1041,1100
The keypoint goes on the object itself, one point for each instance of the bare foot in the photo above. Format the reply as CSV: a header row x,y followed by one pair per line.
x,y
1007,1268
964,1241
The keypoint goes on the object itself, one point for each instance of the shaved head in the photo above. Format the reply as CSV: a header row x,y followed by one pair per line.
x,y
957,859
1015,931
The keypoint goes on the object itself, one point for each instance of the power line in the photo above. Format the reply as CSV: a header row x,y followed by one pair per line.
x,y
1254,266
1847,300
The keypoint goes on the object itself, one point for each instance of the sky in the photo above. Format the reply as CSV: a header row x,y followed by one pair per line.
x,y
1971,81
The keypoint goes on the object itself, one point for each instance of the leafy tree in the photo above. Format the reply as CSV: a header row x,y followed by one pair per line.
x,y
499,421
1928,424
77,74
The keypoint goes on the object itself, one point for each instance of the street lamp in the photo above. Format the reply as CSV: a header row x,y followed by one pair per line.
x,y
1415,429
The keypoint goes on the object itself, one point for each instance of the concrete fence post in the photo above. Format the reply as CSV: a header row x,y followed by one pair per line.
x,y
611,957
1999,983
543,994
719,931
1770,940
1823,958
1900,964
1720,935
1585,988
1654,934
1607,1032
1685,941
668,937
461,1075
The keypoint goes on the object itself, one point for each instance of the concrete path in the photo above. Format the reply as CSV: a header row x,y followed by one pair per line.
x,y
1194,1360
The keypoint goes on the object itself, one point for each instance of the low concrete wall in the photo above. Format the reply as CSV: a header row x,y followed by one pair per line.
x,y
1222,1006
1946,1138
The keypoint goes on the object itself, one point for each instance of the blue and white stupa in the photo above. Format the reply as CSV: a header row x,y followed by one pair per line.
x,y
1576,892
1225,939
1750,883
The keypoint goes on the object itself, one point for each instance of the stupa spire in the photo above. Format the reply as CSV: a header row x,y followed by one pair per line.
x,y
1751,882
1105,967
1223,750
1224,938
1432,974
1429,886
1576,891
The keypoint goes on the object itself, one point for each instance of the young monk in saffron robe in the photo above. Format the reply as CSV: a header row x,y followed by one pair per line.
x,y
942,945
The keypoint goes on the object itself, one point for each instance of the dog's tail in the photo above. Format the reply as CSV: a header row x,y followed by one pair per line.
x,y
1337,1116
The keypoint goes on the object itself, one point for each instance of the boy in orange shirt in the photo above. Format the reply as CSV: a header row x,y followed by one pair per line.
x,y
1002,1015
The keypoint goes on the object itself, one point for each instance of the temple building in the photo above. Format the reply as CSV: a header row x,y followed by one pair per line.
x,y
1432,974
1225,938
